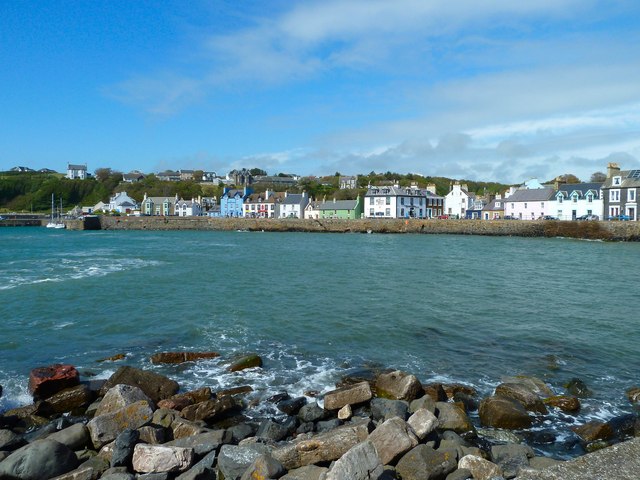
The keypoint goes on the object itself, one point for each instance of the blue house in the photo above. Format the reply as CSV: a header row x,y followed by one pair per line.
x,y
232,201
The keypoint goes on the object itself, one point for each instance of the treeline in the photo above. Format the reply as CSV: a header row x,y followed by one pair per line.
x,y
31,191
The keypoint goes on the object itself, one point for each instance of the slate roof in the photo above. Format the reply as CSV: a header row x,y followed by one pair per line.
x,y
338,205
568,188
629,179
76,167
531,195
293,199
491,206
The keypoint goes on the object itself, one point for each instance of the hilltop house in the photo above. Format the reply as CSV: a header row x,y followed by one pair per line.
x,y
168,176
76,171
232,201
132,177
620,192
293,205
348,182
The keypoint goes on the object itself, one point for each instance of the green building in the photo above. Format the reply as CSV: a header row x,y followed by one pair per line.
x,y
346,209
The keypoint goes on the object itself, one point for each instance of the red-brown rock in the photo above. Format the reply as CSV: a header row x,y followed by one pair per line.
x,y
46,381
181,357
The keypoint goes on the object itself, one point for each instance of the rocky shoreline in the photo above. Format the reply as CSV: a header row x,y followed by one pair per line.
x,y
374,425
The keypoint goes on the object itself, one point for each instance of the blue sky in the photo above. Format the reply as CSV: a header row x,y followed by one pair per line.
x,y
492,90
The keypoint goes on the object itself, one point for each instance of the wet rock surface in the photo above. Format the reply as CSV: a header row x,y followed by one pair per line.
x,y
397,429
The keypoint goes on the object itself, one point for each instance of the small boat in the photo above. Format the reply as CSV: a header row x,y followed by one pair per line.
x,y
55,222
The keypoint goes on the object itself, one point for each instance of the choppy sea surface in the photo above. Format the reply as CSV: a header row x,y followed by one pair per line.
x,y
466,309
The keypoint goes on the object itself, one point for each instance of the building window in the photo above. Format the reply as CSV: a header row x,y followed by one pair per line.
x,y
541,204
401,200
589,198
497,204
614,195
574,199
370,200
387,212
632,194
525,204
616,180
388,201
371,214
402,212
559,198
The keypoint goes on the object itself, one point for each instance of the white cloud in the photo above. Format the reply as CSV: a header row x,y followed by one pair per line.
x,y
475,102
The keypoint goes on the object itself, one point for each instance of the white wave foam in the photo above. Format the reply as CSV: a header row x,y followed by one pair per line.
x,y
71,269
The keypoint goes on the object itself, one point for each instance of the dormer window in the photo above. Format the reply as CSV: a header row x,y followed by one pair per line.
x,y
617,180
497,204
560,198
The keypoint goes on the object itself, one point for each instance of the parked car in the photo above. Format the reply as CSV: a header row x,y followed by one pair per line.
x,y
510,217
620,217
548,217
588,217
443,217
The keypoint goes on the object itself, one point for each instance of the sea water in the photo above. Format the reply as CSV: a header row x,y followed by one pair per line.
x,y
466,309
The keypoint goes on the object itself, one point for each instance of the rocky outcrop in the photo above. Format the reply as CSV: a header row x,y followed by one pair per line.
x,y
161,459
155,386
349,395
38,460
46,381
207,435
248,361
398,386
181,357
564,402
503,412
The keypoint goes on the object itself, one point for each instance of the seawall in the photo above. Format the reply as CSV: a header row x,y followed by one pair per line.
x,y
611,231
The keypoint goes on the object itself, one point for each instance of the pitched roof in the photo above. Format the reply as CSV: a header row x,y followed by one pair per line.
x,y
582,188
293,199
338,205
629,179
492,205
76,167
531,195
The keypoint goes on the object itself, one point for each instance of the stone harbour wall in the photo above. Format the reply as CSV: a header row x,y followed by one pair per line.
x,y
612,231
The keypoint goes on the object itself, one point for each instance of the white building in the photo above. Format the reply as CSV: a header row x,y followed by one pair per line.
x,y
293,205
76,171
185,208
577,200
395,202
122,203
457,201
312,210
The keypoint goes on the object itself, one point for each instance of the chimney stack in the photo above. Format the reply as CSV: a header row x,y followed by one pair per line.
x,y
613,169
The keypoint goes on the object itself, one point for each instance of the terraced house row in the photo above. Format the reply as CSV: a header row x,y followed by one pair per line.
x,y
613,199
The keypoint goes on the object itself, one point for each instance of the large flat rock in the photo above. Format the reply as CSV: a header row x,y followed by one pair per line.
x,y
619,462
